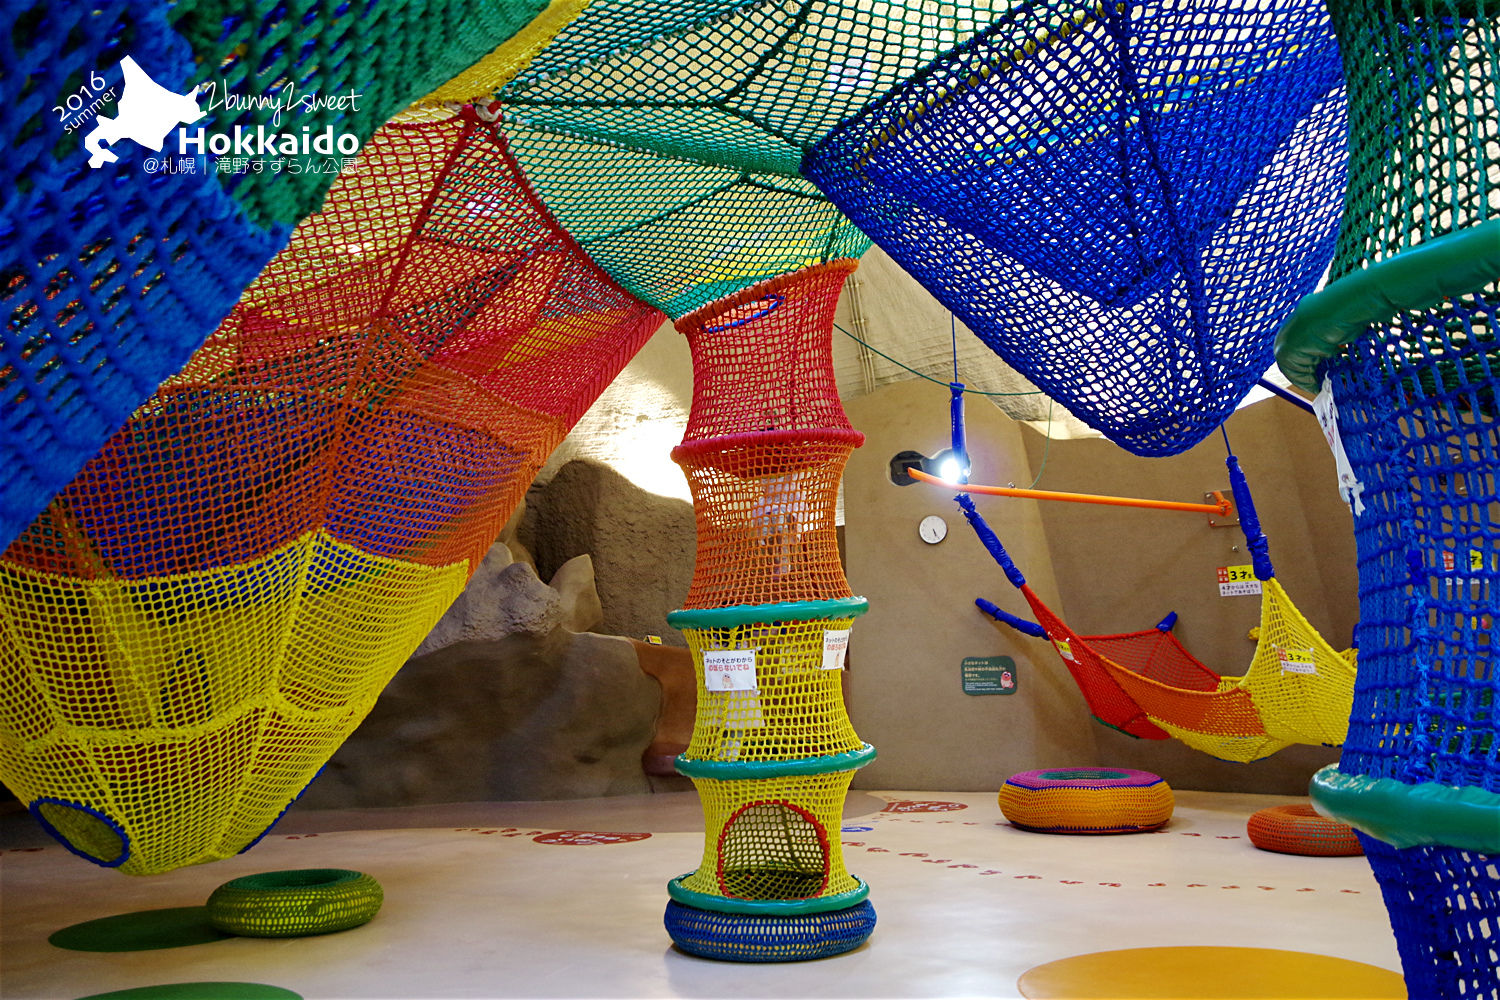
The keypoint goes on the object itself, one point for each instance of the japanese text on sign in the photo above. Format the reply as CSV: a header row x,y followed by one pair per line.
x,y
1237,581
835,648
729,670
1296,661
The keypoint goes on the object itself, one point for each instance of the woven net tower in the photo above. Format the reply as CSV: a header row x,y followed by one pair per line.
x,y
1123,200
111,275
667,136
1404,340
767,618
193,626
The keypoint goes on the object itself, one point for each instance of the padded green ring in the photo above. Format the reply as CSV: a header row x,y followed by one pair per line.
x,y
748,614
1405,815
295,903
767,907
740,770
1458,263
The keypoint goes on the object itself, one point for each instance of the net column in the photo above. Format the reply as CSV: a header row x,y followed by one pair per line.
x,y
768,617
1402,342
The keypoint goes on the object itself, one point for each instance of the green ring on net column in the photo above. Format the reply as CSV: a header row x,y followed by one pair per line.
x,y
767,907
747,614
743,770
1457,263
1405,815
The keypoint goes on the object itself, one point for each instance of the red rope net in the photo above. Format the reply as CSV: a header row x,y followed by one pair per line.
x,y
396,375
766,442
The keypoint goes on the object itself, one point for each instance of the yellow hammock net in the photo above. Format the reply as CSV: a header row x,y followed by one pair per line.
x,y
1298,688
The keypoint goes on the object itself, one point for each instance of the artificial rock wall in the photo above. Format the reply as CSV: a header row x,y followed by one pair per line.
x,y
510,697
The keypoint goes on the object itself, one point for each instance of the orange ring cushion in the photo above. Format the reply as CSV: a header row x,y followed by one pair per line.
x,y
1298,829
1086,800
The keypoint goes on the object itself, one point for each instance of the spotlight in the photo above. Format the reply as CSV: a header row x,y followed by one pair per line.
x,y
948,465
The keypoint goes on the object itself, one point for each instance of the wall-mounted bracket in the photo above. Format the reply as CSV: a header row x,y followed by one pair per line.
x,y
1216,520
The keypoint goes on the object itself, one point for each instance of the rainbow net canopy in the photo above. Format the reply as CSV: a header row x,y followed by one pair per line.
x,y
1122,200
667,135
1405,334
110,275
198,620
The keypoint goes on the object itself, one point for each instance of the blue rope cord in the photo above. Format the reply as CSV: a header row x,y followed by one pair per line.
x,y
1244,505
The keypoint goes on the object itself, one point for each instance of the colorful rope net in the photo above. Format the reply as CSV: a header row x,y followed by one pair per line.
x,y
194,625
112,273
667,136
1123,201
767,618
1297,689
1404,336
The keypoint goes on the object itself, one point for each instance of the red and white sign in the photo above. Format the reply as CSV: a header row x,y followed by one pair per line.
x,y
729,670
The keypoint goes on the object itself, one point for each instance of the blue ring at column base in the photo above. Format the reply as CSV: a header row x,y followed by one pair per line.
x,y
741,937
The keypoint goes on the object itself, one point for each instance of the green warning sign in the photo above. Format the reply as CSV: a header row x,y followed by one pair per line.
x,y
989,675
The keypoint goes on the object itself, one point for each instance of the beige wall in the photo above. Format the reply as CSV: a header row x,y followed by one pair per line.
x,y
1116,569
905,691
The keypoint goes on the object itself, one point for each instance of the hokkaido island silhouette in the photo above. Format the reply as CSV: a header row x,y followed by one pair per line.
x,y
146,113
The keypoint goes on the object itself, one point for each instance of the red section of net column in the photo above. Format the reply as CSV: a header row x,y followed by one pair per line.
x,y
766,442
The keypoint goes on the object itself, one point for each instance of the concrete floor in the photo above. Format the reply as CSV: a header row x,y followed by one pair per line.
x,y
476,907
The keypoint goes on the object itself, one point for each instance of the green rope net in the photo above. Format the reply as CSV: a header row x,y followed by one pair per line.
x,y
314,50
667,137
1422,105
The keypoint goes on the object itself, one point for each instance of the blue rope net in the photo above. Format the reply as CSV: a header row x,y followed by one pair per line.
x,y
1421,436
1122,201
1416,391
111,274
109,277
1438,899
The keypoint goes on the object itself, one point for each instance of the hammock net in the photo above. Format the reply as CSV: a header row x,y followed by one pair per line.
x,y
773,751
110,275
667,136
1297,689
1122,200
1415,391
198,620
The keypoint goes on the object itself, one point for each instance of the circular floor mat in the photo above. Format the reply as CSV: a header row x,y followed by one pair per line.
x,y
1206,973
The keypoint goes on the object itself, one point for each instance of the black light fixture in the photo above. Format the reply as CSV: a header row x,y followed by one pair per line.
x,y
951,464
946,465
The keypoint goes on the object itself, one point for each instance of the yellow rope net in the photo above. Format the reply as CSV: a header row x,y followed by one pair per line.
x,y
480,81
797,709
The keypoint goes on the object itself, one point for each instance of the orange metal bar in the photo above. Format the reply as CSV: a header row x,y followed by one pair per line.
x,y
1222,507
